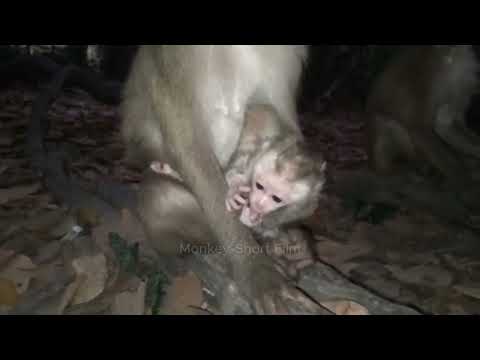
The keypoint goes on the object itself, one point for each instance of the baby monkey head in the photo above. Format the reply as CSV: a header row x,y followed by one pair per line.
x,y
286,174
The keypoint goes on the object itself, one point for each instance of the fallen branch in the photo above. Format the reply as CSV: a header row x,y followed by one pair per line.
x,y
320,282
325,284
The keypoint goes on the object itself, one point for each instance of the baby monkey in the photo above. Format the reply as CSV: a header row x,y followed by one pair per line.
x,y
272,178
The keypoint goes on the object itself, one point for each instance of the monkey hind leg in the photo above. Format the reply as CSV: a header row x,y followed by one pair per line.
x,y
141,133
441,157
392,150
173,220
454,132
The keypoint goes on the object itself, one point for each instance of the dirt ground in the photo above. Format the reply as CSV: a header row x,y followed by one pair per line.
x,y
47,266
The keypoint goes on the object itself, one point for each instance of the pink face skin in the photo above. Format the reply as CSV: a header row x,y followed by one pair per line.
x,y
269,192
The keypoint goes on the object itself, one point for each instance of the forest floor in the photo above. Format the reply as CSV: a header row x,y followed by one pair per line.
x,y
408,257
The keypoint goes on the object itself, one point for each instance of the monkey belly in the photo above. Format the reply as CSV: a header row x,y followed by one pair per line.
x,y
172,217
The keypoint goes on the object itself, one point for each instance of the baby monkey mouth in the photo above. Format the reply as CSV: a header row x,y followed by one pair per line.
x,y
254,217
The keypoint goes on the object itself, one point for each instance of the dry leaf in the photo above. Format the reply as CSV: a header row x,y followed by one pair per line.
x,y
183,296
43,222
6,138
8,293
130,303
69,293
95,270
48,252
44,201
431,276
473,292
20,271
87,217
62,228
3,168
5,257
49,272
337,253
345,308
90,175
18,192
392,289
85,141
101,169
456,309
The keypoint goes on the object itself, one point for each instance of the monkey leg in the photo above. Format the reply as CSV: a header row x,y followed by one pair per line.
x,y
441,157
144,140
452,129
163,168
390,144
174,222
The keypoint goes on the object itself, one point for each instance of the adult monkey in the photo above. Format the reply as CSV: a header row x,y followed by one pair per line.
x,y
186,104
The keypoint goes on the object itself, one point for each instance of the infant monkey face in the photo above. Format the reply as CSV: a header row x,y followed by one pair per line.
x,y
270,192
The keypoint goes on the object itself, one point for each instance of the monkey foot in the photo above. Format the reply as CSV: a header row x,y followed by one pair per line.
x,y
164,169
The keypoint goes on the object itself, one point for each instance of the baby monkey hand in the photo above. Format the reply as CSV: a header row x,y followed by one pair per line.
x,y
238,190
237,198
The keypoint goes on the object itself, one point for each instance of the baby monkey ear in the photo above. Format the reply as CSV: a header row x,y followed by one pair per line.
x,y
259,115
318,159
321,165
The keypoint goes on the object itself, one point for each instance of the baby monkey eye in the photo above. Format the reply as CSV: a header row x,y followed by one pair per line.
x,y
260,186
276,199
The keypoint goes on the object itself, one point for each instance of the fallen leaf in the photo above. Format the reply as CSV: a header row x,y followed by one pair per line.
x,y
44,300
456,309
431,276
130,303
3,168
371,270
85,141
20,271
345,308
8,293
6,256
48,252
101,169
90,175
473,291
18,192
183,296
6,138
95,270
45,221
348,267
49,273
88,217
389,288
44,201
337,253
62,228
69,293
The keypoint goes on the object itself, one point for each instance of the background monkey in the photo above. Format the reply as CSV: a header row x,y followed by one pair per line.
x,y
416,104
186,104
271,174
